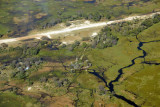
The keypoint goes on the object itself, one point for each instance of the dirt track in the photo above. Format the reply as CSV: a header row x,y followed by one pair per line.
x,y
78,27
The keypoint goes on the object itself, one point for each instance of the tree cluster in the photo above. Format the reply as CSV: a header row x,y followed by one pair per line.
x,y
104,39
134,27
22,65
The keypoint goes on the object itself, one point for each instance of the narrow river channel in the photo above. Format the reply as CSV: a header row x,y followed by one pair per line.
x,y
110,85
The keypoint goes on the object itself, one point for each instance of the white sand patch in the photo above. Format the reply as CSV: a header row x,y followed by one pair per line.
x,y
38,37
94,34
29,88
8,40
87,22
66,35
64,43
49,36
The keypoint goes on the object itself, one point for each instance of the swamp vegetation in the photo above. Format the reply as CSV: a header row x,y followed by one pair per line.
x,y
118,67
111,69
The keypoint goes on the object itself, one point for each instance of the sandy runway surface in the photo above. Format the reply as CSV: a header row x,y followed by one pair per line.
x,y
75,28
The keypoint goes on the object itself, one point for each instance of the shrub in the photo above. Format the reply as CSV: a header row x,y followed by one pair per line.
x,y
45,38
84,45
85,38
43,43
93,44
70,48
101,46
76,43
43,79
21,75
156,18
63,46
4,45
147,23
68,24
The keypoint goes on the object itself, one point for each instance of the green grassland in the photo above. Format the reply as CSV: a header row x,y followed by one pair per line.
x,y
10,99
137,83
141,85
153,53
114,57
150,34
152,48
63,72
10,56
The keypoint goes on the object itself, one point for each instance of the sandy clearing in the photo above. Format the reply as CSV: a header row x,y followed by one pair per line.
x,y
86,25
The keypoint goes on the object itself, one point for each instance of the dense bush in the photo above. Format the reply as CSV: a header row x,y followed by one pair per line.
x,y
86,38
32,51
133,28
68,24
147,23
104,39
74,45
84,44
4,45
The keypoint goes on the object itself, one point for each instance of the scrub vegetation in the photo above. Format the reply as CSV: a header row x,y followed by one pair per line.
x,y
118,67
85,72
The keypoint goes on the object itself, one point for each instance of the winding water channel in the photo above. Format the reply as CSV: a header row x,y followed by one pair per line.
x,y
110,85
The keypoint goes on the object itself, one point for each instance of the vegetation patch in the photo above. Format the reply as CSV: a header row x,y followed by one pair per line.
x,y
8,99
